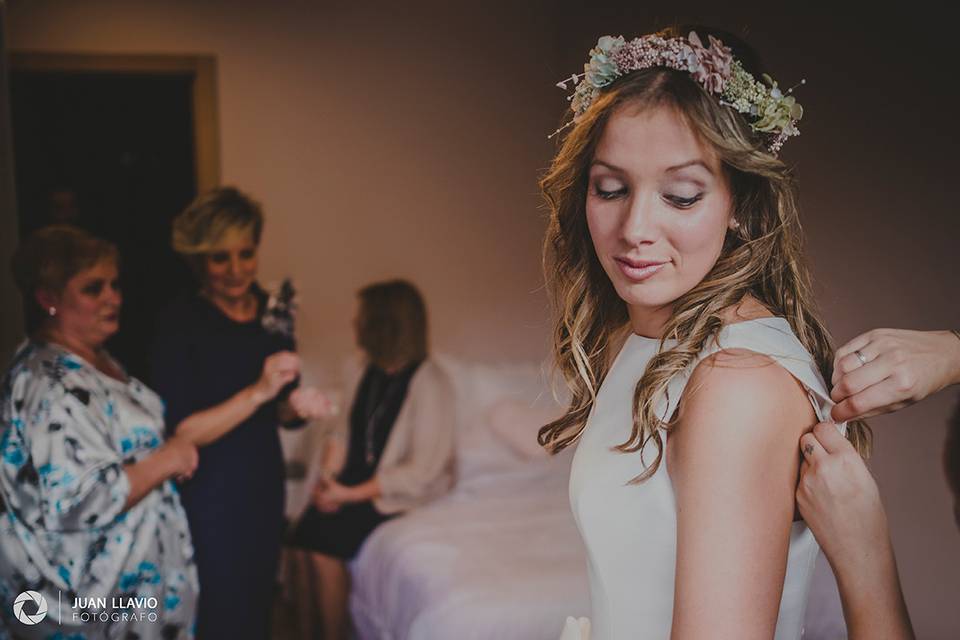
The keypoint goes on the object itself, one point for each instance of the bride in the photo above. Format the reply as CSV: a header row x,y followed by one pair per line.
x,y
689,338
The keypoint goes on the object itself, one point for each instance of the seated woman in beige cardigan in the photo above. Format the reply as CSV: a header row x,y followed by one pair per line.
x,y
394,453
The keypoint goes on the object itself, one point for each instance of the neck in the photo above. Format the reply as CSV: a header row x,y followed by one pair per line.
x,y
649,321
85,350
242,306
394,368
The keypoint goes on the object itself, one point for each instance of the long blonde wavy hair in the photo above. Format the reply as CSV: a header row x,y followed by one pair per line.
x,y
761,258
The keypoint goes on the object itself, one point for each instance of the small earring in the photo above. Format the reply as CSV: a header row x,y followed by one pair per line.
x,y
734,224
52,311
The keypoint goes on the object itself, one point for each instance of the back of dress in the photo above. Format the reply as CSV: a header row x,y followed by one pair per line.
x,y
630,530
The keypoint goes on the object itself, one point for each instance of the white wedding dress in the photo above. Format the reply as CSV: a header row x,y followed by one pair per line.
x,y
630,530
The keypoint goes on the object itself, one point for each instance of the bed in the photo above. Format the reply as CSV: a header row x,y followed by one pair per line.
x,y
499,558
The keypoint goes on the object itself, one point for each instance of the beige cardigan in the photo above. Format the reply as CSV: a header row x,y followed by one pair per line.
x,y
417,464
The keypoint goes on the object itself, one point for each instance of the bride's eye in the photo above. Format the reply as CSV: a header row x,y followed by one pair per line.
x,y
683,203
609,189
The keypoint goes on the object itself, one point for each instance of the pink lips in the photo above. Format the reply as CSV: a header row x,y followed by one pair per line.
x,y
639,270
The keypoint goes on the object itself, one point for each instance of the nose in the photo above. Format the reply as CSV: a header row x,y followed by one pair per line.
x,y
113,295
234,266
639,225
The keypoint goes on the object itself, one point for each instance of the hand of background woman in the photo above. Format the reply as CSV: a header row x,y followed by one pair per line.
x,y
183,457
898,367
329,495
310,403
279,370
839,500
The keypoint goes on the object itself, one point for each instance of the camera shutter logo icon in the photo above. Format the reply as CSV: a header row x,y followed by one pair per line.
x,y
38,603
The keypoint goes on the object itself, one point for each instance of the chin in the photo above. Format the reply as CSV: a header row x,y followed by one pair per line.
x,y
647,295
234,292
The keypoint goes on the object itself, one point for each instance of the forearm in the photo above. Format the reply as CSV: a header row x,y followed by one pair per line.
x,y
146,475
204,427
369,490
873,604
333,456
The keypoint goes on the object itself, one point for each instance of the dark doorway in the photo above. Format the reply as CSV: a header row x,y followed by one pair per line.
x,y
113,153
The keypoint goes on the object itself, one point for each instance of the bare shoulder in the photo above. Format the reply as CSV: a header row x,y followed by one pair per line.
x,y
745,400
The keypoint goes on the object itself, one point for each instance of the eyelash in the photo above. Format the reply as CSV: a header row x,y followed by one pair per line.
x,y
684,203
220,258
677,201
96,288
609,195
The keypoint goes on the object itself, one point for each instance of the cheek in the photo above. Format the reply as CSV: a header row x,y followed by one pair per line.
x,y
698,242
214,270
603,228
82,307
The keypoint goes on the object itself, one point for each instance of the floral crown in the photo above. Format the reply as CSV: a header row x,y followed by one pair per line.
x,y
770,111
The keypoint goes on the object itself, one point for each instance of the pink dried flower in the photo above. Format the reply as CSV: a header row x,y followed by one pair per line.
x,y
715,61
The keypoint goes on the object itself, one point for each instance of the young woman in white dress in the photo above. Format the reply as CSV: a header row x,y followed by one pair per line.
x,y
689,338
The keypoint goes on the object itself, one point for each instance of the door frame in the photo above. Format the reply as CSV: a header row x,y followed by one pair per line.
x,y
203,69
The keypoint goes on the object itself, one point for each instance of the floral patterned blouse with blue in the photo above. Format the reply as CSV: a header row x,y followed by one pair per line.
x,y
66,432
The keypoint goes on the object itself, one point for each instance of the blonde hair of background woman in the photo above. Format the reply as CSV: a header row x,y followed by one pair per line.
x,y
212,215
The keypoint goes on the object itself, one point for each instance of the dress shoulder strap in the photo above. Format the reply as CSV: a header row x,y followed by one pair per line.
x,y
772,337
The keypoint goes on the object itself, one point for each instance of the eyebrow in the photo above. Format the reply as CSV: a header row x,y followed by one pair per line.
x,y
677,167
691,163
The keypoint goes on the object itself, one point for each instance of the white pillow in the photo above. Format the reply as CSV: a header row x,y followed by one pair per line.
x,y
516,423
480,387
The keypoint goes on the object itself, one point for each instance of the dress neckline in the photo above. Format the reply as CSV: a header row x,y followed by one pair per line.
x,y
638,341
258,293
55,346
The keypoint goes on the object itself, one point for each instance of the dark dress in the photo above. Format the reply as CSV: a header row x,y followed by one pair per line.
x,y
235,501
375,408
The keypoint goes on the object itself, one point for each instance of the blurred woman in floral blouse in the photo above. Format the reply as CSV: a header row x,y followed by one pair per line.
x,y
90,515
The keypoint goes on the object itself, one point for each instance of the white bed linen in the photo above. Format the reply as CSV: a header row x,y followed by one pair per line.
x,y
499,558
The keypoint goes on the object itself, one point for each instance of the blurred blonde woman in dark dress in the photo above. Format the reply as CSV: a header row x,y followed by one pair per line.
x,y
215,358
393,453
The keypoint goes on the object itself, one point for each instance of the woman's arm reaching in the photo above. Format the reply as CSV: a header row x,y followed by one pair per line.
x,y
733,462
840,501
208,425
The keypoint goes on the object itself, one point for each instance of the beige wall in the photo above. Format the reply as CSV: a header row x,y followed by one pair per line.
x,y
379,148
388,142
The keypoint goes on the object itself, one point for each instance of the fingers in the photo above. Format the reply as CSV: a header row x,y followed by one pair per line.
x,y
825,439
311,403
846,364
882,397
856,344
861,377
811,448
283,361
830,438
